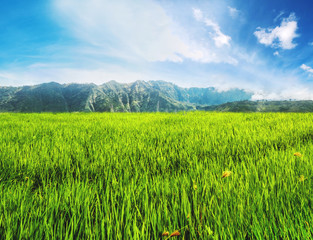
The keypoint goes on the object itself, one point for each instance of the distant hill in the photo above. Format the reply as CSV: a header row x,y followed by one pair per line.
x,y
139,96
263,106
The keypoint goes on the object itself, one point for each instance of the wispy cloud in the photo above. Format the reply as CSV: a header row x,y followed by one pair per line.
x,y
281,36
121,28
198,15
233,12
137,31
219,38
281,13
307,68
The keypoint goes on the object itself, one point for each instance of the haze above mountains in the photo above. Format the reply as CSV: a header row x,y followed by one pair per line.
x,y
140,96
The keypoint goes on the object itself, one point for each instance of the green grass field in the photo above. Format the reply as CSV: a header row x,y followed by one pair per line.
x,y
138,175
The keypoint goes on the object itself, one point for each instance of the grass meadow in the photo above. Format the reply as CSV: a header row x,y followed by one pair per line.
x,y
140,175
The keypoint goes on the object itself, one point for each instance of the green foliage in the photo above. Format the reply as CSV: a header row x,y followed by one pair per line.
x,y
138,175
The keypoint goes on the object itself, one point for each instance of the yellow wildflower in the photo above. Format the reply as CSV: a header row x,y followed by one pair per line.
x,y
226,174
297,154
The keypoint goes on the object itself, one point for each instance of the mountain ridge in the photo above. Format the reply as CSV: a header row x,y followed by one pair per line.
x,y
139,96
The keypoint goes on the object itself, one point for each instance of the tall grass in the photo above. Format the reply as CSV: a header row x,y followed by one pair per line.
x,y
137,176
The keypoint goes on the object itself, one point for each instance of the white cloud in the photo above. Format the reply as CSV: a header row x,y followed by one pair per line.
x,y
233,12
311,43
133,30
276,53
197,13
220,39
307,68
281,36
299,92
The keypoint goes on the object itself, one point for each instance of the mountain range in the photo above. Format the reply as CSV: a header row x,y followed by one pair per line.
x,y
139,96
263,106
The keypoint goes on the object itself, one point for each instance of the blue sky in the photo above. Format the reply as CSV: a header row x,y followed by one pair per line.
x,y
262,46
